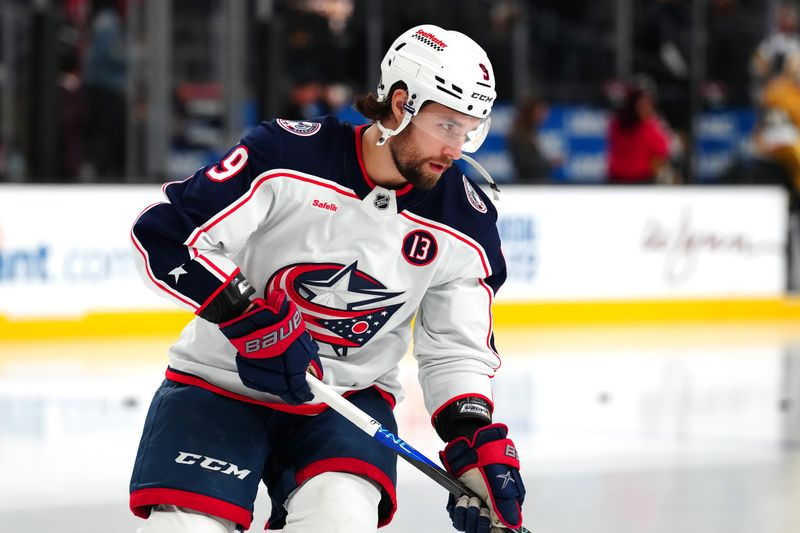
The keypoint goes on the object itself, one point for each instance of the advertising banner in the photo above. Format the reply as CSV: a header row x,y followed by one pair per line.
x,y
65,251
621,243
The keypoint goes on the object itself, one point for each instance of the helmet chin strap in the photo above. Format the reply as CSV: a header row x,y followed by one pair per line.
x,y
386,132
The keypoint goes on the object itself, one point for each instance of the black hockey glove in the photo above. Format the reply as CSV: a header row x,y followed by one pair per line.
x,y
274,348
488,464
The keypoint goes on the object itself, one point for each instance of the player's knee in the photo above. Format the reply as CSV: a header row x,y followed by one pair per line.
x,y
334,502
172,519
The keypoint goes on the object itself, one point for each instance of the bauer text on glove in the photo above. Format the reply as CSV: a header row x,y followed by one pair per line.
x,y
274,348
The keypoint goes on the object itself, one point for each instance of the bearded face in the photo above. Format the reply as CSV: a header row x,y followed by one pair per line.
x,y
419,169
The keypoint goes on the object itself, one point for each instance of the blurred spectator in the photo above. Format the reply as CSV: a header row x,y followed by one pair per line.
x,y
782,92
337,97
306,99
637,142
530,163
71,116
770,56
663,45
780,104
105,80
774,159
771,158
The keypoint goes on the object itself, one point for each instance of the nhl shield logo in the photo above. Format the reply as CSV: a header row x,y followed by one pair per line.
x,y
299,127
474,200
381,201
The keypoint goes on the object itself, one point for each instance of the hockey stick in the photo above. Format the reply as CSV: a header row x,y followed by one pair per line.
x,y
373,428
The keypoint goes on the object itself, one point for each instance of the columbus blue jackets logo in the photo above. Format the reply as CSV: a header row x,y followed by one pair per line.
x,y
341,305
299,127
474,200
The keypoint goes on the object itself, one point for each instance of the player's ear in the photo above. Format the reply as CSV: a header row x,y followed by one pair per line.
x,y
399,98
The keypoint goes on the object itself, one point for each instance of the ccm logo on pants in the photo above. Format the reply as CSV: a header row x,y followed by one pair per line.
x,y
209,463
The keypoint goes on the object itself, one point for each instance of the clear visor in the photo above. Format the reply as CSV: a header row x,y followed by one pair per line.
x,y
455,129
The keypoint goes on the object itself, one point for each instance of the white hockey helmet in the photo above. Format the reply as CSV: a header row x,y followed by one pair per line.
x,y
440,66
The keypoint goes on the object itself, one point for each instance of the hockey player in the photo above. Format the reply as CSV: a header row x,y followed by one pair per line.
x,y
313,245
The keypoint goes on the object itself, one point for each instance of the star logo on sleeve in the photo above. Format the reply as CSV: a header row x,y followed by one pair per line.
x,y
177,272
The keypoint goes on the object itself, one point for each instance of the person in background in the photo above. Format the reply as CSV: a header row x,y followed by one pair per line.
x,y
105,81
782,92
531,165
305,100
770,56
770,157
638,145
773,158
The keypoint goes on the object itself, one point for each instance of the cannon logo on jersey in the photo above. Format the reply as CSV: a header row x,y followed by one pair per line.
x,y
299,127
474,200
341,305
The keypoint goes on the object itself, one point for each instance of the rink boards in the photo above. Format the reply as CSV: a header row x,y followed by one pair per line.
x,y
574,255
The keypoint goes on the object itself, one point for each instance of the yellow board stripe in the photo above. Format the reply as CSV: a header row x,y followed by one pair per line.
x,y
98,325
650,311
138,324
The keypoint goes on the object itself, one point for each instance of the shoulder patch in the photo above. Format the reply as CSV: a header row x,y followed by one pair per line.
x,y
299,127
474,200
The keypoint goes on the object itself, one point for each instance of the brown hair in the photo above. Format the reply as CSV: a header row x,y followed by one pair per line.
x,y
369,106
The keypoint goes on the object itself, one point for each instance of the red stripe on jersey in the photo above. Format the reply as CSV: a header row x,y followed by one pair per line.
x,y
142,501
474,246
186,379
304,409
214,267
452,233
491,325
167,184
258,182
157,282
216,292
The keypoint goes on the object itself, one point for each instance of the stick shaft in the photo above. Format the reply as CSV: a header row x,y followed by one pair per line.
x,y
374,429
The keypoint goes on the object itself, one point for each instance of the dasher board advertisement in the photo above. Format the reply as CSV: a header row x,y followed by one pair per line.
x,y
65,250
632,243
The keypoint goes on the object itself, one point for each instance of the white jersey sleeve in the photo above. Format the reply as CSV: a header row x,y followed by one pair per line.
x,y
453,342
453,336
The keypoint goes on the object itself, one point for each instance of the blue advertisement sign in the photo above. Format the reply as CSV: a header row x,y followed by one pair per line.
x,y
575,136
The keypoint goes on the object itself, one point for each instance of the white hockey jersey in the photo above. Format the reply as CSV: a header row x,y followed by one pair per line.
x,y
291,206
